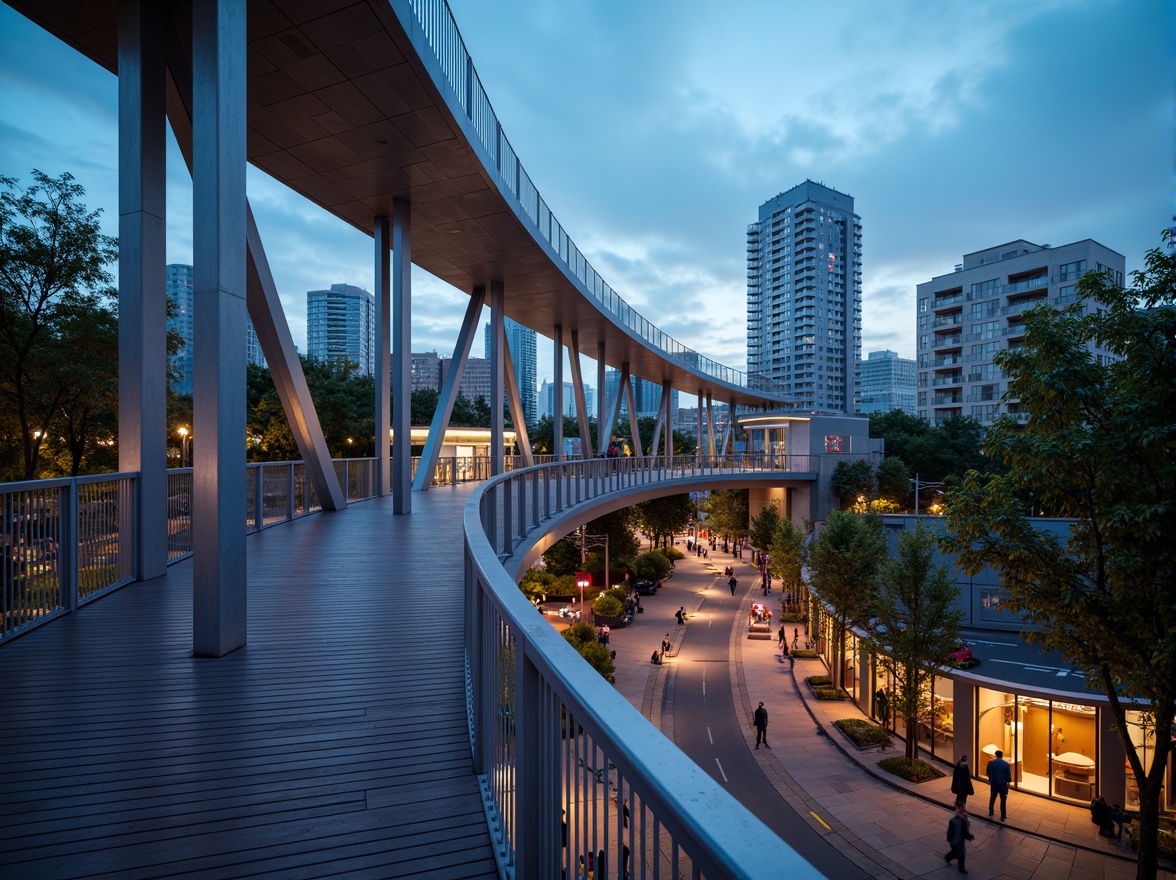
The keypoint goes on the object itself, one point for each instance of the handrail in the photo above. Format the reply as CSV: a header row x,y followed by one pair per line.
x,y
435,21
552,740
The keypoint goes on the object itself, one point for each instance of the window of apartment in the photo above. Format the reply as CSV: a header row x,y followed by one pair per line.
x,y
986,349
983,310
1074,270
923,303
987,330
988,392
985,288
1112,274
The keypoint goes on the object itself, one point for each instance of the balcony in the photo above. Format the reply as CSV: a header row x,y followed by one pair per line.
x,y
947,361
947,399
1026,284
948,321
943,381
944,302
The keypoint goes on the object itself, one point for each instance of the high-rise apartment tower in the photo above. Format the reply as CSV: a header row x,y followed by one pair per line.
x,y
341,325
804,297
521,341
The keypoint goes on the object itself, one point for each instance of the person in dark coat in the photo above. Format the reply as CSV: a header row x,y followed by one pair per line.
x,y
1100,815
760,720
1000,776
959,831
961,780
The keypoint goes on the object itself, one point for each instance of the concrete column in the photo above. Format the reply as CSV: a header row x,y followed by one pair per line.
x,y
710,426
701,399
142,295
581,399
383,295
603,431
218,248
557,393
401,356
497,375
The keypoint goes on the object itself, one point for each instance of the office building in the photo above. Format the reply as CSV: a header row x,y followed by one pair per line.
x,y
804,297
646,395
888,382
967,316
179,293
426,371
521,342
475,378
546,402
341,326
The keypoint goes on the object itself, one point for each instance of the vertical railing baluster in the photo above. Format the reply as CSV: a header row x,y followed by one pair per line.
x,y
68,535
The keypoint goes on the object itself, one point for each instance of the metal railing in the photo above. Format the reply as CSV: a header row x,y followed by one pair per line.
x,y
435,22
63,543
66,541
569,768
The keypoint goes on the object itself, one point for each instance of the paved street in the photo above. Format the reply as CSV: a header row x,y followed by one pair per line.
x,y
812,786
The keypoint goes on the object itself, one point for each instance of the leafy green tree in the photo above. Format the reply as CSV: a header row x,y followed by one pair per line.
x,y
53,261
582,637
423,405
660,518
845,559
470,413
727,512
1099,447
919,625
935,453
788,557
763,527
855,483
86,427
894,482
652,565
563,557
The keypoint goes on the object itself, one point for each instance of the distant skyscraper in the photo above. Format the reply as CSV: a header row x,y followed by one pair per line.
x,y
546,402
521,341
426,370
179,292
804,296
646,395
888,382
967,316
341,324
475,378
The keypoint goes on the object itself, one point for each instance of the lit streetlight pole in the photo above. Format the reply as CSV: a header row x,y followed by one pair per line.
x,y
922,484
183,447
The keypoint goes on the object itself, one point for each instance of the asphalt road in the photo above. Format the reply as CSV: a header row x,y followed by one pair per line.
x,y
706,727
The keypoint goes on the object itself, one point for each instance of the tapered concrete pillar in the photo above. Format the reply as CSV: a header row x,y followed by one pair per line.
x,y
557,402
603,430
497,375
383,296
142,294
218,249
698,451
401,357
581,398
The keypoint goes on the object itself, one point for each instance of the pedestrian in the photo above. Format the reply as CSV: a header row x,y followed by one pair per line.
x,y
1100,815
601,866
656,658
681,615
782,638
961,780
760,721
1120,818
625,811
1000,775
666,645
882,708
959,830
734,582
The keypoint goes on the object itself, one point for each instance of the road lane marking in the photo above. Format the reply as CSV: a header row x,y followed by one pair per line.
x,y
724,775
818,818
709,736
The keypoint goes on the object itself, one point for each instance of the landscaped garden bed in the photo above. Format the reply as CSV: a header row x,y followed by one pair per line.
x,y
805,654
863,734
822,688
916,771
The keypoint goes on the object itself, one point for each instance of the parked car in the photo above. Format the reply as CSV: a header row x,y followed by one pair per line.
x,y
646,587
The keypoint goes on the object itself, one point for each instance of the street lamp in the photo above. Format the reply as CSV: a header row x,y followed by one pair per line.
x,y
587,541
583,581
921,484
183,447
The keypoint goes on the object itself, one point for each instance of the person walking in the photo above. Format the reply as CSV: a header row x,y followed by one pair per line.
x,y
1000,775
882,708
760,721
665,646
733,583
681,615
961,780
959,831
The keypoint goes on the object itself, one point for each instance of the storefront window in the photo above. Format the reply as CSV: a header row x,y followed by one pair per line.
x,y
1034,730
1073,750
923,728
997,727
851,666
883,704
943,717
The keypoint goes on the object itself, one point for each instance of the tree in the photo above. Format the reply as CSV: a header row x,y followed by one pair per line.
x,y
727,512
660,518
563,557
845,560
918,625
53,261
1099,447
788,557
933,452
763,527
582,637
423,405
894,482
855,483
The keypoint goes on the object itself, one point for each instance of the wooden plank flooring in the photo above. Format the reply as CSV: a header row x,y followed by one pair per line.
x,y
333,745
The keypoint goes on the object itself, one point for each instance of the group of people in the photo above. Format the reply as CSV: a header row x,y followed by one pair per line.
x,y
659,656
1108,819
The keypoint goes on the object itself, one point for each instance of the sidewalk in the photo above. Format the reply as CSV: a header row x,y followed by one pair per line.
x,y
890,827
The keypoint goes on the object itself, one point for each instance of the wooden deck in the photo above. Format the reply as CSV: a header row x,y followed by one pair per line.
x,y
333,745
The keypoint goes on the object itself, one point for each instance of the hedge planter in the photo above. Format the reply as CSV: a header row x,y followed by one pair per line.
x,y
822,688
865,736
917,771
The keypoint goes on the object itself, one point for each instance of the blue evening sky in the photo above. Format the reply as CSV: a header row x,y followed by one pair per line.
x,y
655,130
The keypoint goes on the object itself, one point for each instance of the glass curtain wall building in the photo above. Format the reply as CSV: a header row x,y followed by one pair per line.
x,y
521,342
341,326
804,297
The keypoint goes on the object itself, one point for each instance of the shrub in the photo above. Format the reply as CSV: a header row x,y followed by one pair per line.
x,y
862,733
652,565
563,587
819,681
829,693
672,553
608,605
582,637
790,617
805,654
619,593
536,584
912,771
